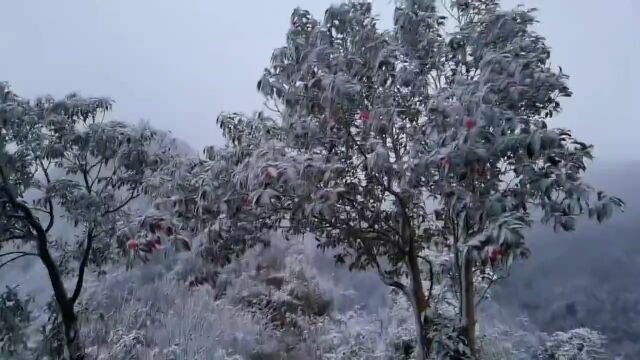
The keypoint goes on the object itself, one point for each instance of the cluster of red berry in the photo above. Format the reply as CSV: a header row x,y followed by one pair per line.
x,y
269,172
363,115
469,123
245,202
155,242
147,246
492,254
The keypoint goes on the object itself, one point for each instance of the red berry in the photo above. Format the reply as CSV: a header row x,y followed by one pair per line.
x,y
152,244
364,115
269,172
493,254
469,123
132,244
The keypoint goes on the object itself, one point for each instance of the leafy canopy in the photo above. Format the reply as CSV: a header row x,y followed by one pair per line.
x,y
418,132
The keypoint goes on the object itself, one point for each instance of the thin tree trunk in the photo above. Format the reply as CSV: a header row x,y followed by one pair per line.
x,y
422,346
419,304
74,348
65,304
468,303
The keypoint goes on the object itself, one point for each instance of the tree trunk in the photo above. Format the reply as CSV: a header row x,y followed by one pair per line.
x,y
74,348
419,304
422,346
468,303
65,303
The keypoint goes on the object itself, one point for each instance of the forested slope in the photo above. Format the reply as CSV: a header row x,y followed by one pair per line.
x,y
588,277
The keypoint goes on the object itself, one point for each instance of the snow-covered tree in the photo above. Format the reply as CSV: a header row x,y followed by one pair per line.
x,y
487,125
196,198
77,168
393,142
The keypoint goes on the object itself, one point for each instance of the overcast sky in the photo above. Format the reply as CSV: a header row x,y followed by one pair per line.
x,y
179,63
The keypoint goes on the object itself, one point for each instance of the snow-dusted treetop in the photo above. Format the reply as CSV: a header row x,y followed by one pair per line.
x,y
373,124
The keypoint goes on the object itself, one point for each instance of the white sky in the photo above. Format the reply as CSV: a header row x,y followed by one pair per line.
x,y
179,63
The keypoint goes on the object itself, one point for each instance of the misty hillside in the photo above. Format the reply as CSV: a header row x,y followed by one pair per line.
x,y
588,277
383,200
568,282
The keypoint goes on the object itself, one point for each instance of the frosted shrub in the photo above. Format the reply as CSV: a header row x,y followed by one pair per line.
x,y
165,317
15,317
515,342
125,346
576,344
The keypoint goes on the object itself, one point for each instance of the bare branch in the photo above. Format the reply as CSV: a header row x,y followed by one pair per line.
x,y
486,290
18,252
101,162
275,108
15,258
14,237
390,282
132,195
108,180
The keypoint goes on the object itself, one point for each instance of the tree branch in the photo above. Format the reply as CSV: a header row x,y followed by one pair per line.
x,y
83,266
45,171
18,252
390,282
14,237
380,181
85,178
108,180
133,195
15,258
486,290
